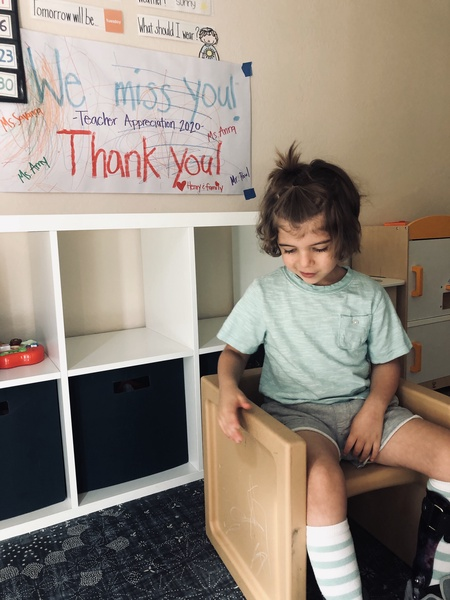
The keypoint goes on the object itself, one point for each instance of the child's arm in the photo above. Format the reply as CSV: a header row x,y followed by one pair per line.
x,y
367,427
230,368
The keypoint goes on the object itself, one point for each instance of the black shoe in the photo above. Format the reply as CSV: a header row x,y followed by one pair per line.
x,y
439,591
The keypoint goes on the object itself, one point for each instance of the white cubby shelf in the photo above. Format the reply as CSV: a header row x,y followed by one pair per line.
x,y
166,304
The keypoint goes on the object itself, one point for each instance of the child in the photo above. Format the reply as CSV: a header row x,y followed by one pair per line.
x,y
332,343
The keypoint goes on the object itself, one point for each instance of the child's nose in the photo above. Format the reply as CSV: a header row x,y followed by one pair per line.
x,y
306,258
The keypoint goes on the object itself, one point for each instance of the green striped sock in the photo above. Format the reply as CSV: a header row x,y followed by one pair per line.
x,y
441,565
332,556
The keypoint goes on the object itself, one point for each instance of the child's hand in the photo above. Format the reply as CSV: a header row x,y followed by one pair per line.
x,y
229,405
365,435
366,430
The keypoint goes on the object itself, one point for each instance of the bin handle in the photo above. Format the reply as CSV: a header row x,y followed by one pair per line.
x,y
418,289
417,364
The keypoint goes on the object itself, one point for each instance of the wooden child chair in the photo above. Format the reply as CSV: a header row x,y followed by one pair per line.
x,y
255,493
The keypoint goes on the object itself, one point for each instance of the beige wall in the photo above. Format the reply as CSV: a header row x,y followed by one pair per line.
x,y
364,83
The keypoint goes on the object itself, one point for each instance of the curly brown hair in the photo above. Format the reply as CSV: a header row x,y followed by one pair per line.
x,y
297,192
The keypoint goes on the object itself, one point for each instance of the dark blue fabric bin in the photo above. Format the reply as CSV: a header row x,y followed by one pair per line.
x,y
208,362
128,423
32,466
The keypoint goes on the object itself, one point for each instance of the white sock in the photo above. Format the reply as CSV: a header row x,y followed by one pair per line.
x,y
441,565
332,556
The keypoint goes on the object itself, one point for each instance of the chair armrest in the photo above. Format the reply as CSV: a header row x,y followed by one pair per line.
x,y
256,422
429,404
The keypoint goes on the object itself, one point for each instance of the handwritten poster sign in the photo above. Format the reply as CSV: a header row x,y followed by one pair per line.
x,y
106,118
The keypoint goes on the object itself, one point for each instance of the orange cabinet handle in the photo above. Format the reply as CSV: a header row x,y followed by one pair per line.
x,y
418,288
417,364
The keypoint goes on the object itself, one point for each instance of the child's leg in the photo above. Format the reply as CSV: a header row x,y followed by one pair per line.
x,y
432,560
426,448
442,557
332,556
328,538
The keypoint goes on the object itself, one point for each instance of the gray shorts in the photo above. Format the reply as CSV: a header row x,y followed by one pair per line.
x,y
334,420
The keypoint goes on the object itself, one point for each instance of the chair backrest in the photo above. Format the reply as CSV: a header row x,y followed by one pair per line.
x,y
250,385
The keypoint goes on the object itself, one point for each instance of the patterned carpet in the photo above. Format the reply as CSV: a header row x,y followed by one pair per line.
x,y
152,548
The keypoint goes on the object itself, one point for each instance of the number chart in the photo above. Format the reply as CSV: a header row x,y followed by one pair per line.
x,y
12,75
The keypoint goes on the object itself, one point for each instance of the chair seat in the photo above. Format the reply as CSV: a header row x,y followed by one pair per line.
x,y
375,477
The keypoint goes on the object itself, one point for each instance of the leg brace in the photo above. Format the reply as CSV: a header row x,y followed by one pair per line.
x,y
433,526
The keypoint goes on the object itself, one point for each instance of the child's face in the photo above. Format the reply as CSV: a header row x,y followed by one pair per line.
x,y
208,38
307,252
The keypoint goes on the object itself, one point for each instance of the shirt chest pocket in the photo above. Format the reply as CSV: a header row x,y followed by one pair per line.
x,y
353,331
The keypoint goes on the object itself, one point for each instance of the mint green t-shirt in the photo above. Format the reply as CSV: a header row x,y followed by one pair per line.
x,y
319,341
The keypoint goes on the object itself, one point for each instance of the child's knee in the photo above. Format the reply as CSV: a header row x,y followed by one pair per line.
x,y
325,479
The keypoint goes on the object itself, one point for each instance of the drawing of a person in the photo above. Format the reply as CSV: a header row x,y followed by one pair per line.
x,y
209,38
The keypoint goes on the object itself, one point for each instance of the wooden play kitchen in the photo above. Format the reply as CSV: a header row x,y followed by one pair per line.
x,y
419,253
